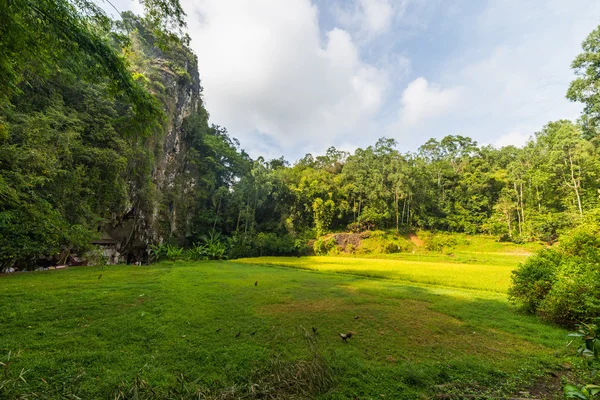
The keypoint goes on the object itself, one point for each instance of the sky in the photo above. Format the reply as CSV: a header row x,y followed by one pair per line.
x,y
290,77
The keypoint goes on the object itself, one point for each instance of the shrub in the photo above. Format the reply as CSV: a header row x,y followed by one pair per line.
x,y
533,280
158,251
174,252
440,242
380,242
561,284
323,246
360,226
239,248
391,247
272,244
214,247
301,247
196,252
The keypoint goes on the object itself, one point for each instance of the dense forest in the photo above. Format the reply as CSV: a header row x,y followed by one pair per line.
x,y
103,131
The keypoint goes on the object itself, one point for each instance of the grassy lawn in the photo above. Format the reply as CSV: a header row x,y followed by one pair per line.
x,y
75,333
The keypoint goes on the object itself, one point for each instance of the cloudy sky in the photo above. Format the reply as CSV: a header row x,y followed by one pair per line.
x,y
288,77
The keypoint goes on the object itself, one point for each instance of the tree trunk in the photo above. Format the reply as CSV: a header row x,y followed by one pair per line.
x,y
403,208
522,206
217,215
397,209
519,217
408,213
575,185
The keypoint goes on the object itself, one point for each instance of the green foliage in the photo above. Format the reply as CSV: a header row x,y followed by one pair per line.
x,y
439,241
196,253
158,252
562,284
533,280
174,252
585,392
79,125
323,246
589,351
214,247
380,242
584,88
272,244
323,214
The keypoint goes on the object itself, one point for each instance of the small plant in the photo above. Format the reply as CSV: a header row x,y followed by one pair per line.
x,y
589,351
590,336
350,248
174,252
158,251
214,247
197,252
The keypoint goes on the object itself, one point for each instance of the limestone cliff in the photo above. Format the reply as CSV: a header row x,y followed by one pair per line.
x,y
157,205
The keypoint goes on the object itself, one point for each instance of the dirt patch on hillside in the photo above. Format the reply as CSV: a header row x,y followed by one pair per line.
x,y
418,242
344,239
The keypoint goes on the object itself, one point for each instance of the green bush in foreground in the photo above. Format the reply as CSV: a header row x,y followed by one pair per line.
x,y
562,283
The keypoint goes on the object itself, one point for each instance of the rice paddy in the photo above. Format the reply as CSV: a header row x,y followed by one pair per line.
x,y
487,277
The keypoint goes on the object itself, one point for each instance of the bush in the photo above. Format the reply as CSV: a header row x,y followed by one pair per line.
x,y
324,246
379,242
272,244
214,247
533,280
239,248
360,226
301,247
561,284
196,252
440,242
266,244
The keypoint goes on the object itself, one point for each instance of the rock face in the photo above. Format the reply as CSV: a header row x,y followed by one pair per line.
x,y
184,98
153,216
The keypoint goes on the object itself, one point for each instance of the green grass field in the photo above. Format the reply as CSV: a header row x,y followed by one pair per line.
x,y
493,277
75,334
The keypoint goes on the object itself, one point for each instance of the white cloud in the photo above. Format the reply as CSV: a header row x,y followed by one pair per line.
x,y
514,138
283,85
378,15
367,19
421,100
264,67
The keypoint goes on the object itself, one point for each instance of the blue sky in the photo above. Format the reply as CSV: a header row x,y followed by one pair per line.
x,y
287,77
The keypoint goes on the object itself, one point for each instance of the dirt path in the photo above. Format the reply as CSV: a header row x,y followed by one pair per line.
x,y
418,242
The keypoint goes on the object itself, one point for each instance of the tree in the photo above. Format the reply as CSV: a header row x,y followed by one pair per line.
x,y
323,214
586,87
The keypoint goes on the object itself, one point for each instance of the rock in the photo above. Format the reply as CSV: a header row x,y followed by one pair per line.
x,y
77,261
